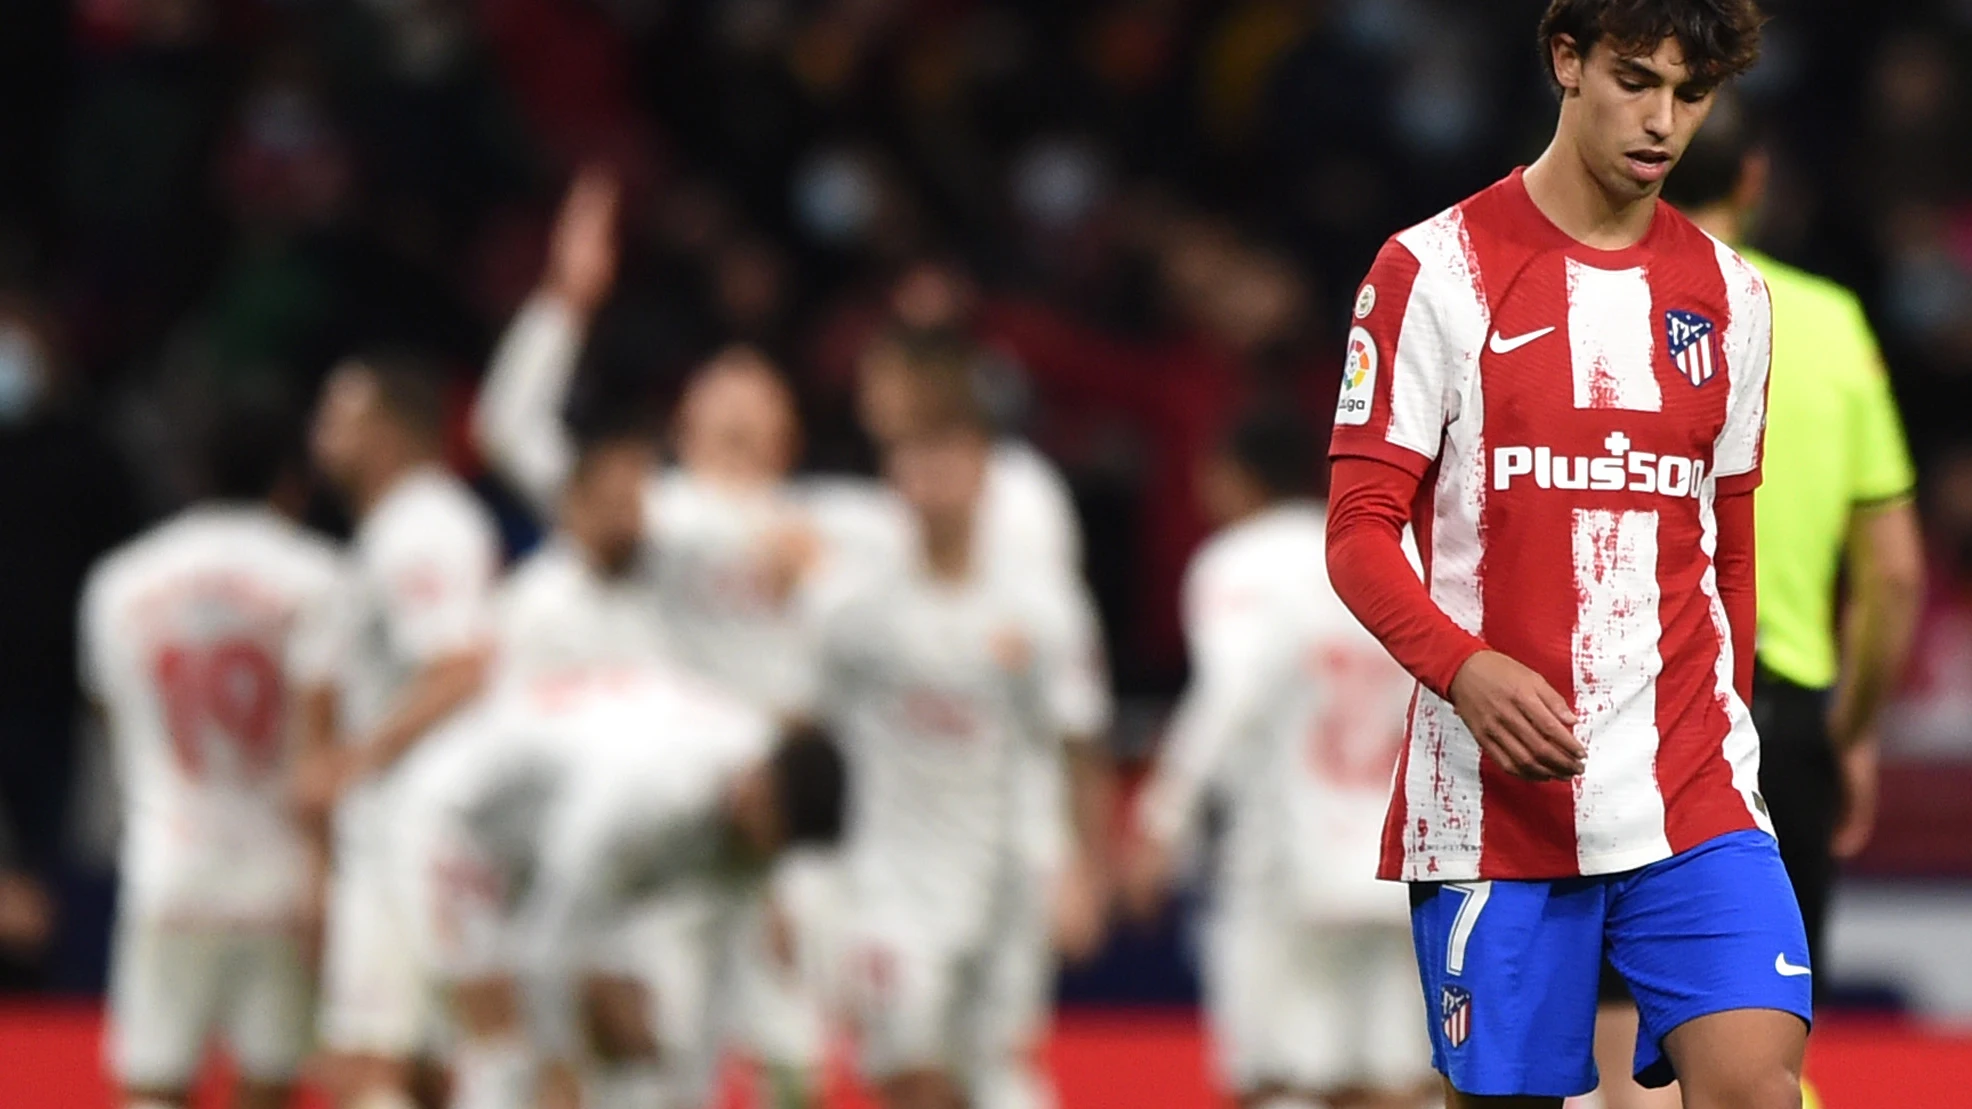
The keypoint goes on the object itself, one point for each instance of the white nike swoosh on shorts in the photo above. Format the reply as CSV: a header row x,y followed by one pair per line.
x,y
1788,970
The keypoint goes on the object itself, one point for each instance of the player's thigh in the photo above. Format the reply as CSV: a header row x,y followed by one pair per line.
x,y
1509,975
164,990
1272,1000
1392,1051
671,946
268,1008
1712,930
374,992
1740,1059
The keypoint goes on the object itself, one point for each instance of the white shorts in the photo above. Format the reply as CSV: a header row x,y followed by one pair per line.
x,y
779,1010
175,989
376,989
1314,1007
976,1011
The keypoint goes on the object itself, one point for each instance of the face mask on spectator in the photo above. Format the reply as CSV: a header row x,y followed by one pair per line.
x,y
22,380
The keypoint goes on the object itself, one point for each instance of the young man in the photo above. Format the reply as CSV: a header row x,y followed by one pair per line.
x,y
1295,713
1839,481
419,645
583,599
947,677
542,824
1560,383
195,639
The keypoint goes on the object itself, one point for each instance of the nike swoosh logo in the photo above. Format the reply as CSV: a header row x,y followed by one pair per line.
x,y
1508,346
1786,969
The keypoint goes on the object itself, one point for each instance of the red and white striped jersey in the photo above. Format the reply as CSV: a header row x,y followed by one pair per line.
x,y
1572,415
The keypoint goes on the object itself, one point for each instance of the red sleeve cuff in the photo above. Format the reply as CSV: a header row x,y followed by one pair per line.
x,y
1732,485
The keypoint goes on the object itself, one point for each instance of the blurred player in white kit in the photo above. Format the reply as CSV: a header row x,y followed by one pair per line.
x,y
195,638
1294,716
948,678
583,599
544,822
724,546
418,645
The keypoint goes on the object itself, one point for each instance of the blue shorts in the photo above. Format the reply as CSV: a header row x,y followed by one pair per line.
x,y
1510,967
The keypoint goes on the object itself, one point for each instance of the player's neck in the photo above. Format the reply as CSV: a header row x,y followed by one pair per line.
x,y
948,549
1571,198
383,476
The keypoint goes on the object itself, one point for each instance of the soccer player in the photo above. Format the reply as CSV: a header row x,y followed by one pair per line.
x,y
419,635
944,677
1026,525
1560,384
549,818
1296,712
583,599
196,637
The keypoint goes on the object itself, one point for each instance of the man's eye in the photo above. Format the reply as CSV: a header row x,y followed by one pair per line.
x,y
1692,95
1630,86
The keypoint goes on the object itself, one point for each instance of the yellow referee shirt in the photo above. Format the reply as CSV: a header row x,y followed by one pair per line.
x,y
1834,441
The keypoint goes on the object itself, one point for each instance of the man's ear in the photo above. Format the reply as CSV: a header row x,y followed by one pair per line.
x,y
1567,63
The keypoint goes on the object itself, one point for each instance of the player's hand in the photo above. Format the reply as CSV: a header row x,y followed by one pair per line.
x,y
1147,876
1081,910
320,780
27,916
582,254
1012,650
1859,782
1518,719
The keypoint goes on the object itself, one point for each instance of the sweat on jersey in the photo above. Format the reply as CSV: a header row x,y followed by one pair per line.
x,y
194,637
1583,431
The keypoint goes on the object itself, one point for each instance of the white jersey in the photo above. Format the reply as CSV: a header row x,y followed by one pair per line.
x,y
424,561
590,790
945,695
194,638
555,613
1296,711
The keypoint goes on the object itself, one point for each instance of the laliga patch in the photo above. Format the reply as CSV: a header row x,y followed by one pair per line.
x,y
1693,343
1365,302
1358,380
1455,1006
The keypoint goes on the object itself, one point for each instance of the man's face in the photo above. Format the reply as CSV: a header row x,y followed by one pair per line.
x,y
939,474
605,509
886,400
345,424
1632,116
737,420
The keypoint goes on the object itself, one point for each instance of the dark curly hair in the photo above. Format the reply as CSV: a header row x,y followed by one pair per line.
x,y
1720,38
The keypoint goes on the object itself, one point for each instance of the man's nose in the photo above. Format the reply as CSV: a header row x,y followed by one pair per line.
x,y
1661,120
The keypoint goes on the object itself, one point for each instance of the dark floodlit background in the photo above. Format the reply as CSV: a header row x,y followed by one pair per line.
x,y
1162,207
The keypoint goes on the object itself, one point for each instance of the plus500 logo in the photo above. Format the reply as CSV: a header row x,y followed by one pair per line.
x,y
1624,469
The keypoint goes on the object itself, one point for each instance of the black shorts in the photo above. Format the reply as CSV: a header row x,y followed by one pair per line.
x,y
1801,783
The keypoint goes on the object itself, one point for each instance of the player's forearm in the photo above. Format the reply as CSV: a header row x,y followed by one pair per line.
x,y
1886,592
1738,594
1369,506
439,690
1092,797
1194,746
517,419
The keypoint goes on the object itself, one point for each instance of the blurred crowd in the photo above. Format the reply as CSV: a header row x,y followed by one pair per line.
x,y
1152,212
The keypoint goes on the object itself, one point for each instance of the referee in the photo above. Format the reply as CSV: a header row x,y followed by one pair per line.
x,y
1837,485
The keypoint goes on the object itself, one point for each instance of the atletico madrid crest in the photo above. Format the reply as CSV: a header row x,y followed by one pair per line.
x,y
1694,345
1456,1004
